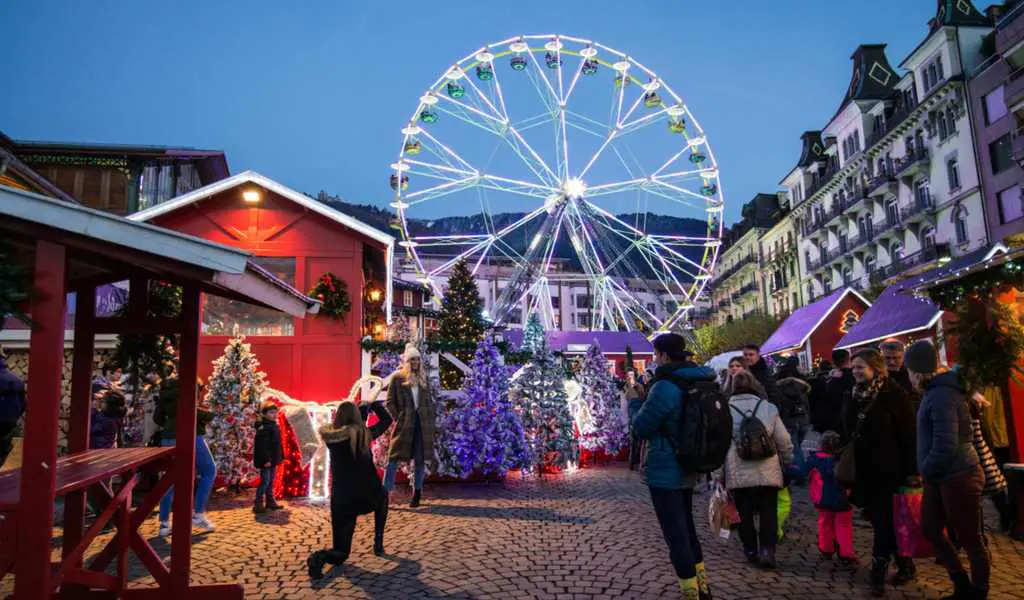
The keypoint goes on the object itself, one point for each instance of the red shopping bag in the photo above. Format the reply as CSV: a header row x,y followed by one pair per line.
x,y
906,508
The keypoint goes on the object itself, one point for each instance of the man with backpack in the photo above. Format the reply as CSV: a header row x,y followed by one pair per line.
x,y
12,406
680,432
794,400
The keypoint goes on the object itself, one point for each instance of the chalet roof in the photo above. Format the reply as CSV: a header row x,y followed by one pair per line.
x,y
798,327
872,78
252,177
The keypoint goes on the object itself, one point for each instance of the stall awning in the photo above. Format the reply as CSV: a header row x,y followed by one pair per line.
x,y
794,331
219,269
611,342
898,312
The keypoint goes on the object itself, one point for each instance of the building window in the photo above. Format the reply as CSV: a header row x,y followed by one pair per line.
x,y
869,264
221,316
995,105
943,128
556,302
953,174
892,211
922,194
895,252
650,307
515,316
407,298
928,238
933,77
584,302
583,320
960,223
1000,154
1011,206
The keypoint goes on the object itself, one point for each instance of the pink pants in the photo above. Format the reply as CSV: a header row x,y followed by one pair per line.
x,y
835,528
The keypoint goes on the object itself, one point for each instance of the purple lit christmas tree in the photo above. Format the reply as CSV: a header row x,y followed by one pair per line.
x,y
481,431
601,394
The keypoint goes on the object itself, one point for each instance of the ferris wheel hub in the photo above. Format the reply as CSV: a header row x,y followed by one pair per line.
x,y
574,188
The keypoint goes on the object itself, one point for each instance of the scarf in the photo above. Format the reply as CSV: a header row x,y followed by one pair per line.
x,y
866,393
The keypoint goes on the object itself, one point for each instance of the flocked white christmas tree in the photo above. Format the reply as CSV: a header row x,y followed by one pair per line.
x,y
602,395
539,395
533,334
233,395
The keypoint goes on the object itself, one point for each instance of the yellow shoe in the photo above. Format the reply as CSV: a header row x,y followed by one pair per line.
x,y
702,582
689,588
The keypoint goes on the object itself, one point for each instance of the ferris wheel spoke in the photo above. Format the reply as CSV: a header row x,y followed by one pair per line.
x,y
579,127
638,124
426,241
607,140
493,127
632,108
534,121
500,115
575,79
436,171
513,186
616,187
481,245
677,255
676,194
448,151
530,157
500,94
554,98
438,191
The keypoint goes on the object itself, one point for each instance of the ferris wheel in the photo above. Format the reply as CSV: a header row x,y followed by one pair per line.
x,y
557,161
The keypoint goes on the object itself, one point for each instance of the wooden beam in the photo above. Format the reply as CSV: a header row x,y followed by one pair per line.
x,y
185,442
38,472
130,324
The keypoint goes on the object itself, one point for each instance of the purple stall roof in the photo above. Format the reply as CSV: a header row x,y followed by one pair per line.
x,y
611,342
795,330
898,312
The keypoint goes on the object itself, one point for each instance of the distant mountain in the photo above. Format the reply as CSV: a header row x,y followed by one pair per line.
x,y
520,240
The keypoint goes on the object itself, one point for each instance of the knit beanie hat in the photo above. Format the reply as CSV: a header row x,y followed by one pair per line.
x,y
921,357
410,352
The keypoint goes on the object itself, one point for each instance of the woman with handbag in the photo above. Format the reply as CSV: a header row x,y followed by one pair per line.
x,y
355,488
879,458
953,477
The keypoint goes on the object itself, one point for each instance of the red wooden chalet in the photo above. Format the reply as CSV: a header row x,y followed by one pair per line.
x,y
68,247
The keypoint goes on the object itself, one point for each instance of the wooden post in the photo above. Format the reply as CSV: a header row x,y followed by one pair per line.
x,y
185,441
38,471
81,402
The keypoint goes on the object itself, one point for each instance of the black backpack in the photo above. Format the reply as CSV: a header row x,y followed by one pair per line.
x,y
795,401
753,442
705,426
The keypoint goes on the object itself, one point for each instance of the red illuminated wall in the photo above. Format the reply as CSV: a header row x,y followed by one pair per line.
x,y
322,360
828,334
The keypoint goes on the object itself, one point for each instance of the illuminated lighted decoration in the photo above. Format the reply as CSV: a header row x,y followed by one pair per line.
x,y
850,319
562,154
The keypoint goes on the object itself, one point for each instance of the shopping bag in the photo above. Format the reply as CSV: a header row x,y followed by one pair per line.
x,y
719,518
906,508
785,506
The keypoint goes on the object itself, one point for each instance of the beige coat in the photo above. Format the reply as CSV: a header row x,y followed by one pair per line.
x,y
403,410
741,473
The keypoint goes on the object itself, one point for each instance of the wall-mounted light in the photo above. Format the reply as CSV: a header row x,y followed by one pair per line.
x,y
251,196
375,295
378,328
943,253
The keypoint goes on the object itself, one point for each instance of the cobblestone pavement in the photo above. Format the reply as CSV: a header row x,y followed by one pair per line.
x,y
590,534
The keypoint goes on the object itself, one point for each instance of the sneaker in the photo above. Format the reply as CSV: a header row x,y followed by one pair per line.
x,y
315,565
199,520
165,528
849,562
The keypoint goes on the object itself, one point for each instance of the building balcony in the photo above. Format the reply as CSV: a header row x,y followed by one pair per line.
x,y
1017,146
743,262
883,274
913,163
892,123
746,289
921,208
852,201
823,178
1009,34
882,184
1014,93
885,226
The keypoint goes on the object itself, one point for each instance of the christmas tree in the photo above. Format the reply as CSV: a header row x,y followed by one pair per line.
x,y
539,394
481,432
461,320
399,330
602,395
233,395
533,334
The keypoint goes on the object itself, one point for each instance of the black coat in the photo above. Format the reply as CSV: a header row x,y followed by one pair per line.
x,y
266,447
827,411
902,377
886,451
766,379
355,486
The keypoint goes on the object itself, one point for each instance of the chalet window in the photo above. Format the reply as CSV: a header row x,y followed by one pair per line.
x,y
1000,154
221,316
953,174
1011,206
995,105
407,298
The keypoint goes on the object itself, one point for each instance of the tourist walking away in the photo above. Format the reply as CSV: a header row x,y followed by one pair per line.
x,y
355,488
166,416
411,404
267,454
754,467
12,406
835,513
794,400
828,414
657,421
759,367
893,352
108,408
880,426
953,477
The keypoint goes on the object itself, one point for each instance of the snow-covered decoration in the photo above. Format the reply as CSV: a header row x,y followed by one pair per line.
x,y
539,394
233,394
603,397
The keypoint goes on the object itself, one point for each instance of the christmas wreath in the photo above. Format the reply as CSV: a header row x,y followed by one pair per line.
x,y
333,293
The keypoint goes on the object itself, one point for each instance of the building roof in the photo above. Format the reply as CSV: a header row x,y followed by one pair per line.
x,y
958,13
225,270
795,330
252,177
611,342
812,150
898,312
872,77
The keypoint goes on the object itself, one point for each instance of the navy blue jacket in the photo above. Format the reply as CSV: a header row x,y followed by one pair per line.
x,y
945,443
656,420
831,496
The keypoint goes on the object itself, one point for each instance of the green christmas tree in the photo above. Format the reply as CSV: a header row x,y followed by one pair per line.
x,y
233,395
533,334
461,320
539,396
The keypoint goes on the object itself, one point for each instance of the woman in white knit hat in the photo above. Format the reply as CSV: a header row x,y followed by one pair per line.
x,y
411,404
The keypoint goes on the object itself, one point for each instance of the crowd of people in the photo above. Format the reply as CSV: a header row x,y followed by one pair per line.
x,y
884,422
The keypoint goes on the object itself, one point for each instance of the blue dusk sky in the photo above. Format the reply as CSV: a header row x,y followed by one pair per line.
x,y
314,93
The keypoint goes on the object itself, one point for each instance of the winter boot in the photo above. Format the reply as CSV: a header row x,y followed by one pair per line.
x,y
315,565
962,587
380,520
879,568
751,554
415,498
702,582
767,558
690,588
905,571
273,505
259,507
